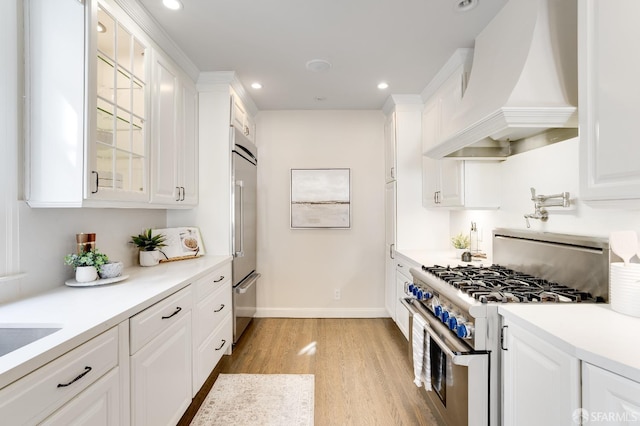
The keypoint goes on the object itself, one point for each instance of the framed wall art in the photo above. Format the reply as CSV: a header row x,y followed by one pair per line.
x,y
320,198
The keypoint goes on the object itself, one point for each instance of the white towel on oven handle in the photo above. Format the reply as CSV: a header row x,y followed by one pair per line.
x,y
421,352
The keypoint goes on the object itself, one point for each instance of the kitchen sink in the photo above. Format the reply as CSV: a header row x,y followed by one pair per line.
x,y
14,337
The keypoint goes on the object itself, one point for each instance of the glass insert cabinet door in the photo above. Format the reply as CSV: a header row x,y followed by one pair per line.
x,y
118,160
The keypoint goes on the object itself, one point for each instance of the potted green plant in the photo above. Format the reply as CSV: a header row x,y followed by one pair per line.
x,y
149,246
461,243
86,264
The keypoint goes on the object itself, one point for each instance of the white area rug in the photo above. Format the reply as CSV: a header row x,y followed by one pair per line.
x,y
258,399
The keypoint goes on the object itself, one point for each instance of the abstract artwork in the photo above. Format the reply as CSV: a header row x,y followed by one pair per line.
x,y
320,198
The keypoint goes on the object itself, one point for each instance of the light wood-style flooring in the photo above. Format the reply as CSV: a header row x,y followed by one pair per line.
x,y
363,374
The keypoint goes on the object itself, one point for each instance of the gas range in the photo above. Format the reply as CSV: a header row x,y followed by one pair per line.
x,y
459,305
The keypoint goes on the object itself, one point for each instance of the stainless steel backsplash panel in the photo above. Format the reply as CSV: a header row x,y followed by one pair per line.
x,y
577,261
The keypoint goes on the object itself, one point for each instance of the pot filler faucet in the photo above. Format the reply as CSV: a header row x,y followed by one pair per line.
x,y
542,201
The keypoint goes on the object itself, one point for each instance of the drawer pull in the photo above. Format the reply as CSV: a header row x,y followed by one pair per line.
x,y
219,279
219,309
84,373
223,342
178,309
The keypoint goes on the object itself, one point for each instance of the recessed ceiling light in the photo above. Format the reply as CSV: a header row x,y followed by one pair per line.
x,y
101,28
318,65
465,5
256,85
172,4
383,85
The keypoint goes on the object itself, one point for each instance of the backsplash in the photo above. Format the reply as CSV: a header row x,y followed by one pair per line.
x,y
550,170
47,235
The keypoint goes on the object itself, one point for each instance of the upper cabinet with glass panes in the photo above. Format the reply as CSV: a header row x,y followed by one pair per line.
x,y
118,129
89,111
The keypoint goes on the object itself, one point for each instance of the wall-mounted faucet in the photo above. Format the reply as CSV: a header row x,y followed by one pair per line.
x,y
542,201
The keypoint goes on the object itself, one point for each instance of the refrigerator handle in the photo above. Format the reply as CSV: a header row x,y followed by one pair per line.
x,y
240,185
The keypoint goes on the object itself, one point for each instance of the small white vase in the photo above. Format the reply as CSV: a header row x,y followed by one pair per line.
x,y
149,258
85,274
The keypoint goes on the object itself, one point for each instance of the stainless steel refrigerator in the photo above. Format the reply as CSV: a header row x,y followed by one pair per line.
x,y
244,160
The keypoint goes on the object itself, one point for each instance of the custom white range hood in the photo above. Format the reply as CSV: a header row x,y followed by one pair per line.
x,y
523,84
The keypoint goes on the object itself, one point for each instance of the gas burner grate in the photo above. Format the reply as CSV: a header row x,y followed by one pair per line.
x,y
500,284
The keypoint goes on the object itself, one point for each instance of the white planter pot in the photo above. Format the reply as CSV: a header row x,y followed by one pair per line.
x,y
85,274
149,258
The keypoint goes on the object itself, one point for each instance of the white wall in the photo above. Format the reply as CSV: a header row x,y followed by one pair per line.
x,y
302,268
550,170
47,235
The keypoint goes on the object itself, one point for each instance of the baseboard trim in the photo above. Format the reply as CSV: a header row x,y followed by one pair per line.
x,y
321,313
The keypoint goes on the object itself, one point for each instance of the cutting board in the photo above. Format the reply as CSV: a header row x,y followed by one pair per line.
x,y
181,243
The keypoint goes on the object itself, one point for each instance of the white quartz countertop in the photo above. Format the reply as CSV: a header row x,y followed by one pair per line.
x,y
85,312
593,333
439,257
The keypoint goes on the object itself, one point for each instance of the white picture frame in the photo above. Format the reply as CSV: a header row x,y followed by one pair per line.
x,y
321,198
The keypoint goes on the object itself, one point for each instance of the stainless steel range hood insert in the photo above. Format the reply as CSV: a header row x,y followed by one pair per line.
x,y
523,83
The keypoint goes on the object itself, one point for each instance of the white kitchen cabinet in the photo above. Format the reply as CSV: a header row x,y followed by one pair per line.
x,y
390,147
540,383
174,179
69,384
390,245
85,147
161,361
464,184
99,404
403,279
241,118
608,93
212,323
448,182
609,398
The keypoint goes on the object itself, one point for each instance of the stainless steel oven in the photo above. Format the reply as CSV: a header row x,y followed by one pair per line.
x,y
455,370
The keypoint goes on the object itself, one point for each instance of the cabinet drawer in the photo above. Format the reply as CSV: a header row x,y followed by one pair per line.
x,y
403,266
35,396
210,351
153,320
212,281
211,311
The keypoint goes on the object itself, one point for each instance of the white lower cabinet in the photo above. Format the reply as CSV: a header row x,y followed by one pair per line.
x,y
98,405
540,383
161,369
212,323
84,380
403,279
608,398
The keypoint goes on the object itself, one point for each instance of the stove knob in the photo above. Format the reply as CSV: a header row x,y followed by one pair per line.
x,y
419,295
411,287
464,331
437,309
414,290
444,316
427,295
453,323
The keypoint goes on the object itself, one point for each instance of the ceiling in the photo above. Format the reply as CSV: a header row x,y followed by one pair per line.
x,y
401,42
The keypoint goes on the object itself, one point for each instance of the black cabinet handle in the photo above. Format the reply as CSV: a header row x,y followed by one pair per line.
x,y
178,309
502,337
219,279
223,342
97,182
64,385
221,308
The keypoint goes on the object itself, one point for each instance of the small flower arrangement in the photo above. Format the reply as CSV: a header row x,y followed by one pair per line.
x,y
460,241
89,258
147,242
